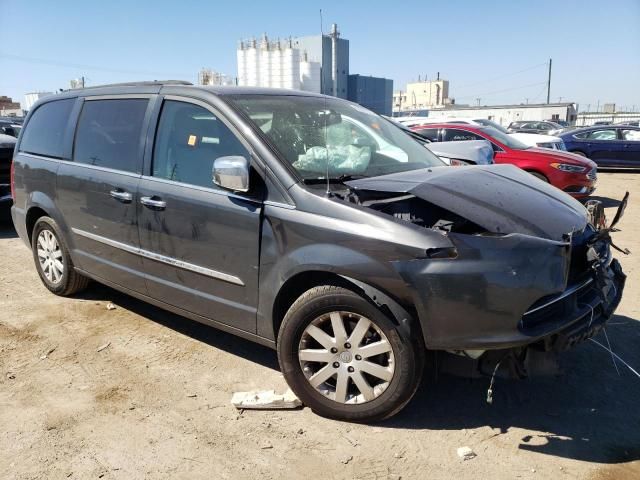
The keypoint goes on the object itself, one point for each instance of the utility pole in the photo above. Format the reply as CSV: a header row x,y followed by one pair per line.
x,y
549,84
559,99
527,101
82,82
478,100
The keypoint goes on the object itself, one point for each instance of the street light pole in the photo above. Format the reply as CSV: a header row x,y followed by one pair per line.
x,y
549,83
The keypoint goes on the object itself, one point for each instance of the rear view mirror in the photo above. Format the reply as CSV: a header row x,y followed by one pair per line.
x,y
232,173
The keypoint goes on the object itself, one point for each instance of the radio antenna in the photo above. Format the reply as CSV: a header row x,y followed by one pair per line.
x,y
326,147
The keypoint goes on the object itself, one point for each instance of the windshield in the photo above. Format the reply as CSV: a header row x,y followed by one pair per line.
x,y
490,123
317,134
505,138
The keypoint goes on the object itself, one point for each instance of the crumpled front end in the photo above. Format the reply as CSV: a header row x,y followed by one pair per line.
x,y
529,265
514,290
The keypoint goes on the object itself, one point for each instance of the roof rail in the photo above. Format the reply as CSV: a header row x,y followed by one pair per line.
x,y
137,84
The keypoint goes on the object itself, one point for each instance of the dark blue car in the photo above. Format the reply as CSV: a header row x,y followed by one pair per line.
x,y
609,146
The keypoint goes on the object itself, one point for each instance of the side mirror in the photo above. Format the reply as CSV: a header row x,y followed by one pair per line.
x,y
232,173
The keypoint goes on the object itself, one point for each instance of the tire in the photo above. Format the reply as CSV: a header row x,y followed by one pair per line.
x,y
540,176
578,152
400,363
59,276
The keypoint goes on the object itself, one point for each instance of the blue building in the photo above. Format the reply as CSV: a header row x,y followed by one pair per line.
x,y
374,93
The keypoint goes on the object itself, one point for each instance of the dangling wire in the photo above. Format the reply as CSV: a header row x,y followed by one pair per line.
x,y
617,357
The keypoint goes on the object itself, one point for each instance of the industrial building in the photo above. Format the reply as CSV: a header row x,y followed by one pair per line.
x,y
206,76
317,63
33,97
371,92
420,95
505,114
8,107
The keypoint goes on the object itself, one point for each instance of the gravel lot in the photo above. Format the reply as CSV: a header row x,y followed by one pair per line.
x,y
155,402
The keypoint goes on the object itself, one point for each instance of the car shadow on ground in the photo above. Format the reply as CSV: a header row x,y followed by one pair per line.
x,y
211,336
6,229
588,412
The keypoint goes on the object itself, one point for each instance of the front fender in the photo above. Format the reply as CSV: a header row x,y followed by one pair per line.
x,y
292,244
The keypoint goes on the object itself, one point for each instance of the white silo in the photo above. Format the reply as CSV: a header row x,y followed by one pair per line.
x,y
264,73
253,70
291,67
242,64
309,75
276,65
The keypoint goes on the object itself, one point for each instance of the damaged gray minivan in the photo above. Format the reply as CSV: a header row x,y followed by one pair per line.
x,y
309,224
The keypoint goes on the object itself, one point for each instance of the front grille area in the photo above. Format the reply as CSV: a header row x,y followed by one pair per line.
x,y
583,300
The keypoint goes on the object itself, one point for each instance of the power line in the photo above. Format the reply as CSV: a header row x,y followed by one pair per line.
x,y
503,75
56,63
501,91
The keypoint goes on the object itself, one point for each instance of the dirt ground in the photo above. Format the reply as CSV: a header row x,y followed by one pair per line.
x,y
154,403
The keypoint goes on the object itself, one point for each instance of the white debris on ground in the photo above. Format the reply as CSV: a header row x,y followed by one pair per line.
x,y
465,453
265,399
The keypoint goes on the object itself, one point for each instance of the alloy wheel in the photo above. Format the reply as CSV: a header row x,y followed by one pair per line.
x,y
50,256
346,357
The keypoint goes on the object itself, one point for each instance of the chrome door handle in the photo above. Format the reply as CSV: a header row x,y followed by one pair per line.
x,y
122,196
153,203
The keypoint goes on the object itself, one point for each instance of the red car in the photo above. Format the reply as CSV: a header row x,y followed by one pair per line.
x,y
570,173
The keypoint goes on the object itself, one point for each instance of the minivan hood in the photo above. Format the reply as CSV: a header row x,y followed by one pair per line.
x,y
500,198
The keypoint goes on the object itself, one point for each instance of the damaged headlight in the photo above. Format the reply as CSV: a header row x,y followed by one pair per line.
x,y
566,167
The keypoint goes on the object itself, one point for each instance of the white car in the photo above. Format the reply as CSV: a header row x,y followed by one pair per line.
x,y
531,139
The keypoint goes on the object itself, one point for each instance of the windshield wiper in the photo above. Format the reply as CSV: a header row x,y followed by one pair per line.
x,y
340,179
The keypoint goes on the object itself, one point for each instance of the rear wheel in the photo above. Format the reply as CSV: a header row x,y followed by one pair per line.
x,y
345,358
578,152
53,263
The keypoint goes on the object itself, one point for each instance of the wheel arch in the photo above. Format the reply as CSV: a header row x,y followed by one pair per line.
x,y
33,214
404,318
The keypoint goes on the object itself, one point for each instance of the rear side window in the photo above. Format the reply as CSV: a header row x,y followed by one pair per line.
x,y
455,135
631,135
108,134
189,138
603,135
44,134
429,134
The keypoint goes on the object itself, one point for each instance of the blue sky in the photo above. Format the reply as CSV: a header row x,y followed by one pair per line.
x,y
494,50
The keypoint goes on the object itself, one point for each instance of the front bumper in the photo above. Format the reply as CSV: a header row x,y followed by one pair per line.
x,y
580,185
511,291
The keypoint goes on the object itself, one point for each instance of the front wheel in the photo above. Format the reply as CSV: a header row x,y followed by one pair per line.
x,y
345,359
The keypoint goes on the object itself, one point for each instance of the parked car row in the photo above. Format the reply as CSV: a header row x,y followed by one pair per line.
x,y
609,146
10,126
545,128
7,144
314,226
569,172
613,146
530,139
